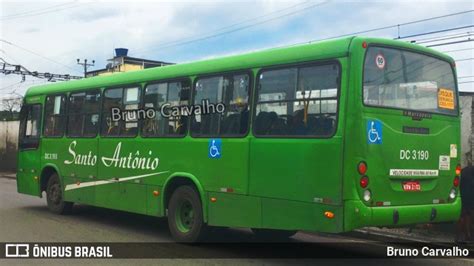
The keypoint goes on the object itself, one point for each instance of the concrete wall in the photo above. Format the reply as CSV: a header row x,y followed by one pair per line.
x,y
8,144
465,103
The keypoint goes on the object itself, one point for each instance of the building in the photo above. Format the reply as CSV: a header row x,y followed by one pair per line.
x,y
466,106
123,63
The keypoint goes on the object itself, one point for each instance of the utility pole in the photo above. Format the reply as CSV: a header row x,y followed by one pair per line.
x,y
85,64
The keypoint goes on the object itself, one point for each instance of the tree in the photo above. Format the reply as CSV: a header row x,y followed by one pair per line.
x,y
11,107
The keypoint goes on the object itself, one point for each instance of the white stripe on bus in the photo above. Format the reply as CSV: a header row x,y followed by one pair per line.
x,y
109,181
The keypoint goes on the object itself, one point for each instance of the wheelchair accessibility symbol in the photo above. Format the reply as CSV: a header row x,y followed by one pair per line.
x,y
215,148
374,132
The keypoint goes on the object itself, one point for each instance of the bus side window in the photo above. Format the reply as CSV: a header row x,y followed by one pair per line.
x,y
29,136
91,114
131,101
231,90
83,114
112,99
123,99
54,116
173,94
297,101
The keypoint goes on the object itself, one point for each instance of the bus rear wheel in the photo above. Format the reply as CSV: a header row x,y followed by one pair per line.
x,y
273,234
55,196
185,216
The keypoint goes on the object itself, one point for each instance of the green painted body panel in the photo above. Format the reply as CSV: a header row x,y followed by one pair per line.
x,y
27,171
357,214
279,183
296,215
247,210
154,206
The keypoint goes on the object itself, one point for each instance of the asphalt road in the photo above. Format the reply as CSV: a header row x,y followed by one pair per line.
x,y
26,219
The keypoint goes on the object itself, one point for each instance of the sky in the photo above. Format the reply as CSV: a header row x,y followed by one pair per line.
x,y
49,36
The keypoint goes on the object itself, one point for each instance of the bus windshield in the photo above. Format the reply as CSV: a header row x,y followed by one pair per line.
x,y
406,80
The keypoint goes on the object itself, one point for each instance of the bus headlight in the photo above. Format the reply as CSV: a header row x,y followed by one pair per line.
x,y
452,194
367,195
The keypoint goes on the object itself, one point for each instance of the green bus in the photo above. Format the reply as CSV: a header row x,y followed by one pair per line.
x,y
328,137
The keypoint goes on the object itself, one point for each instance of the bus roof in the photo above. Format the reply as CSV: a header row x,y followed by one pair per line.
x,y
297,53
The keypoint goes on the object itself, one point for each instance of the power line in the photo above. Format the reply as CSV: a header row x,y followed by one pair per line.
x,y
238,23
444,38
13,59
395,26
449,43
11,85
454,35
465,59
212,35
44,12
28,82
36,10
37,54
447,39
337,36
457,50
434,32
464,77
386,27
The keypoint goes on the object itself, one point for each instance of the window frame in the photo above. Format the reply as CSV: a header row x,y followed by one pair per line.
x,y
67,114
101,111
142,105
416,52
323,62
250,102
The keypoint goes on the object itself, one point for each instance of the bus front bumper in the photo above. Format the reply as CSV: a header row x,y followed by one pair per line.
x,y
357,214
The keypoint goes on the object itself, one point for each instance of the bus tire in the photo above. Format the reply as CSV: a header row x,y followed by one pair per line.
x,y
185,215
55,197
273,234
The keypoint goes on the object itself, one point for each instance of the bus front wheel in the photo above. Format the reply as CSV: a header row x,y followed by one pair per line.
x,y
185,216
55,196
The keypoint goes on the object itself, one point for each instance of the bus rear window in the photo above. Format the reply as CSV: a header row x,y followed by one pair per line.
x,y
410,81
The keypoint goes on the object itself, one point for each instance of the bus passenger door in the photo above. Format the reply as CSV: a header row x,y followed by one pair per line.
x,y
29,151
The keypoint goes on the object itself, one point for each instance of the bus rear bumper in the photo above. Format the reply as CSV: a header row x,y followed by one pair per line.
x,y
357,214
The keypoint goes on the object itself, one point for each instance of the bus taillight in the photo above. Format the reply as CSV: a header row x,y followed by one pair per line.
x,y
362,168
364,181
456,181
458,169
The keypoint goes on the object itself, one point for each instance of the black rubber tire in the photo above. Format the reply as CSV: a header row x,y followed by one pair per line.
x,y
55,197
198,229
273,234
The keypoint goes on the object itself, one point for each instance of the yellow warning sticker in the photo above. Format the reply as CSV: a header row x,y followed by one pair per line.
x,y
446,98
